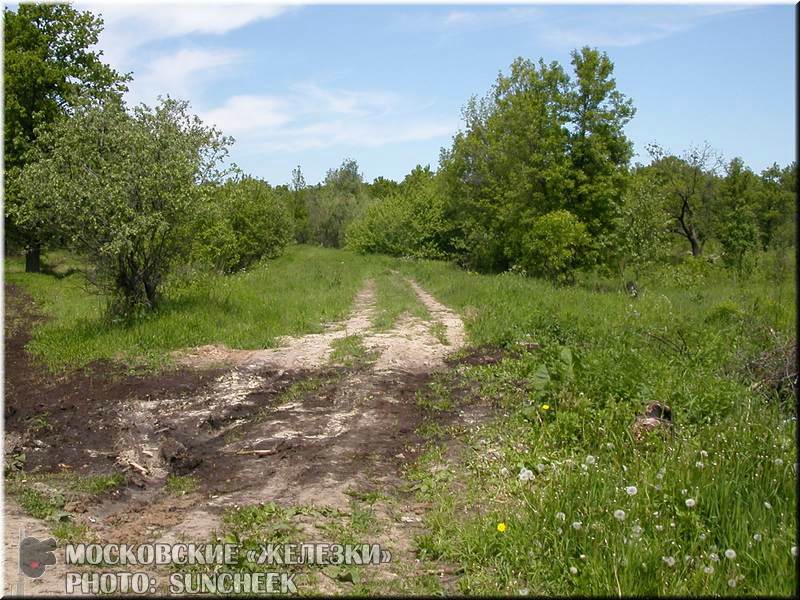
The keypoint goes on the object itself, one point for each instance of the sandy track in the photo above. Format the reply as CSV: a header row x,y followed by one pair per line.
x,y
353,431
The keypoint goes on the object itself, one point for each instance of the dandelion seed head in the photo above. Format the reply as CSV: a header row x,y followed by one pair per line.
x,y
561,516
730,553
708,570
525,474
713,556
699,464
540,467
778,462
619,514
767,505
690,502
577,525
631,490
703,453
669,560
757,537
573,570
732,582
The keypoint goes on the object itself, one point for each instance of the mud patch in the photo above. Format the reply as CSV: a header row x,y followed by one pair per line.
x,y
279,426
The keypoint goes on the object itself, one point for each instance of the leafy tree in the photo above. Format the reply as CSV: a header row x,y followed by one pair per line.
x,y
382,187
689,183
49,72
538,143
408,222
510,163
775,210
333,205
641,228
599,148
737,230
242,222
299,205
122,186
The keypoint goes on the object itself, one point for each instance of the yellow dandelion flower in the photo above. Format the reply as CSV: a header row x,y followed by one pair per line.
x,y
501,527
545,407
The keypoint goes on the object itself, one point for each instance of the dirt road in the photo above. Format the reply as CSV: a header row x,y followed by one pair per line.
x,y
286,425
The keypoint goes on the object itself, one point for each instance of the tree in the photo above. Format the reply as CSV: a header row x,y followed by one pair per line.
x,y
49,72
509,164
599,149
641,227
122,186
737,228
381,187
299,204
554,246
539,142
333,205
689,183
408,222
776,203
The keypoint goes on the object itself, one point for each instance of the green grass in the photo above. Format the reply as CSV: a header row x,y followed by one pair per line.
x,y
181,484
295,294
350,351
38,504
603,357
395,297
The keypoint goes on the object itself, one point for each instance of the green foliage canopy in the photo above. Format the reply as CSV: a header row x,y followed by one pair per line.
x,y
120,186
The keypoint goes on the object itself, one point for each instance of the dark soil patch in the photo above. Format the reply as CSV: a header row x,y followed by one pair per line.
x,y
72,418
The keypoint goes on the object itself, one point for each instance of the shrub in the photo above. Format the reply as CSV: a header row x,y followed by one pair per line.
x,y
242,222
408,222
556,244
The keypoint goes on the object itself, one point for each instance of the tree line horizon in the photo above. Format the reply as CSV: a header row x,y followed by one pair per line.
x,y
537,181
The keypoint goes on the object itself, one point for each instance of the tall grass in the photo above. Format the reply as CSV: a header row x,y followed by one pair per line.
x,y
560,460
295,294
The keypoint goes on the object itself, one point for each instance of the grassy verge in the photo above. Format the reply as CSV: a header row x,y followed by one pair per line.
x,y
295,294
395,297
45,495
555,497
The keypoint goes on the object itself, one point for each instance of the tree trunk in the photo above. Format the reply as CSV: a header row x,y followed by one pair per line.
x,y
150,293
697,247
33,259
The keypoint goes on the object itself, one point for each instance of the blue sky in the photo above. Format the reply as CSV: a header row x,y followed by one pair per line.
x,y
311,85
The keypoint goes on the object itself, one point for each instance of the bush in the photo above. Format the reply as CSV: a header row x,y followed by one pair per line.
x,y
241,222
555,246
408,222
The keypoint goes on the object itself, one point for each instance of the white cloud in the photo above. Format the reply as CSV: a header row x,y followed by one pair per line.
x,y
311,117
128,27
568,27
179,73
132,34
